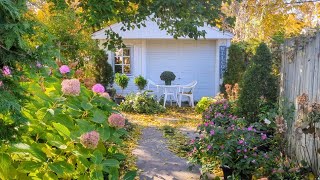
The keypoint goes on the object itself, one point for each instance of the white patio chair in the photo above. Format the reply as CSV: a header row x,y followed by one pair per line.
x,y
150,83
170,92
187,90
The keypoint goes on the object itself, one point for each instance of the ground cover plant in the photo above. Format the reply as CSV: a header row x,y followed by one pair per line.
x,y
141,103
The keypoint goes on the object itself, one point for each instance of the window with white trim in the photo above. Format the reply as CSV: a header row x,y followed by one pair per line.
x,y
122,60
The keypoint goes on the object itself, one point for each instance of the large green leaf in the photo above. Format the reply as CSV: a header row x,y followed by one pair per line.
x,y
86,105
5,162
63,131
61,167
130,175
99,116
65,120
84,125
119,156
38,153
29,166
97,157
50,176
114,174
84,161
95,174
104,133
56,168
111,163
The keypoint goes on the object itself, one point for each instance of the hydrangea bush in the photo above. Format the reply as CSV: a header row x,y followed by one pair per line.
x,y
67,136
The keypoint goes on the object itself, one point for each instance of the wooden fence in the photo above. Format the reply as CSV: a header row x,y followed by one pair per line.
x,y
300,74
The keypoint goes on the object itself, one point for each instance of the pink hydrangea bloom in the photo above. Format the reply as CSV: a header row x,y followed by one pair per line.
x,y
90,140
64,69
105,95
241,141
71,87
6,71
98,88
209,147
238,151
116,120
250,128
1,83
245,157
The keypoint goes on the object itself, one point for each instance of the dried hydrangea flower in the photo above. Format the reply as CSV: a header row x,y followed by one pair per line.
x,y
116,120
105,95
281,124
90,139
71,87
98,88
303,99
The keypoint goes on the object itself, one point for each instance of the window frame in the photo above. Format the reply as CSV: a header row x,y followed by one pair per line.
x,y
122,61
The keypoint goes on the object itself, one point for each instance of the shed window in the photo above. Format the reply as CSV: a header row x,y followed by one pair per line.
x,y
122,61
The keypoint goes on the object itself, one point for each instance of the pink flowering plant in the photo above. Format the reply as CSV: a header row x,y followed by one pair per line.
x,y
67,134
217,108
237,146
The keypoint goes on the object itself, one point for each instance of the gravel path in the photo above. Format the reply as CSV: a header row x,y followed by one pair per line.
x,y
156,162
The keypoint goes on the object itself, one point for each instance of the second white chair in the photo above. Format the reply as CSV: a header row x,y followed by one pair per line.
x,y
187,90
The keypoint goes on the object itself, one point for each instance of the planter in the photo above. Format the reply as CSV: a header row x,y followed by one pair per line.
x,y
227,171
168,83
119,99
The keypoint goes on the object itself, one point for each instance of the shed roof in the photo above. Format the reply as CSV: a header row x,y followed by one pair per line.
x,y
152,31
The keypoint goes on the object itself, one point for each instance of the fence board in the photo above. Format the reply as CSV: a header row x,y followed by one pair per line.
x,y
300,74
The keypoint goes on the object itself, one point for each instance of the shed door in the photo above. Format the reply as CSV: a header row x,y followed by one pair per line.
x,y
188,59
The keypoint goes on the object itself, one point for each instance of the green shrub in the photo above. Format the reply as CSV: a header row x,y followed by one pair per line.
x,y
167,77
140,82
203,104
258,84
141,103
121,80
103,70
235,66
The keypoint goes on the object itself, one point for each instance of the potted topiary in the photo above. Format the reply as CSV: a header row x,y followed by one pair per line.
x,y
167,77
140,82
121,80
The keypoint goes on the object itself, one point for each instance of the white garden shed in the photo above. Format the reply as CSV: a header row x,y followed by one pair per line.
x,y
150,51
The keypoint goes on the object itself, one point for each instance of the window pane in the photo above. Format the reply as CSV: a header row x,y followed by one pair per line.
x,y
119,52
126,51
127,69
118,68
126,60
118,60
